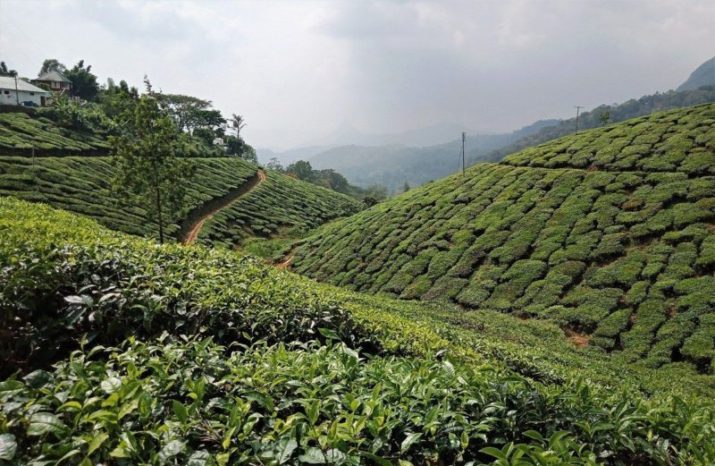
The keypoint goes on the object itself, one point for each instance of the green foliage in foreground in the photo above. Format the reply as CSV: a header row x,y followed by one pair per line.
x,y
83,185
173,396
319,405
621,251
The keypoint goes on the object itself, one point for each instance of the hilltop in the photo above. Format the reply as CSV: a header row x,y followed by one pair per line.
x,y
608,233
704,75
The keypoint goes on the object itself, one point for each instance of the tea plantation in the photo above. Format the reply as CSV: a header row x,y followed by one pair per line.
x,y
121,351
279,206
83,185
20,134
609,233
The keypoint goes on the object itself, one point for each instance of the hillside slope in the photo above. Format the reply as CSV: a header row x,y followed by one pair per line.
x,y
21,134
131,352
610,233
83,185
704,75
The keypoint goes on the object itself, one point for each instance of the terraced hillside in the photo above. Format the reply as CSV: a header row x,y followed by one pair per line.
x,y
21,135
128,352
610,233
83,185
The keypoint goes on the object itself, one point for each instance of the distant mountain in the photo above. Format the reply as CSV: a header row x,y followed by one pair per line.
x,y
615,112
289,156
704,75
346,134
395,165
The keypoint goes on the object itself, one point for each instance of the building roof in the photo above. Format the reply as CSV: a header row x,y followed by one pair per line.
x,y
8,82
53,75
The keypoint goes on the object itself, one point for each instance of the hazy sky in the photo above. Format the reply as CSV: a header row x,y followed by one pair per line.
x,y
298,69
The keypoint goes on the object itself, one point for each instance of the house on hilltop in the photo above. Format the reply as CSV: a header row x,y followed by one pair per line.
x,y
54,81
17,91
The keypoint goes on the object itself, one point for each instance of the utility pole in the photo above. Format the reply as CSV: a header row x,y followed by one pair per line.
x,y
17,93
464,137
578,111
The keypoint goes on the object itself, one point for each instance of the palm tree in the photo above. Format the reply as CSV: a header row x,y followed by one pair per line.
x,y
237,122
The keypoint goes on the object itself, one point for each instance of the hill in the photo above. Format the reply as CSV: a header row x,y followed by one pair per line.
x,y
609,233
131,352
21,134
83,185
704,75
614,113
393,165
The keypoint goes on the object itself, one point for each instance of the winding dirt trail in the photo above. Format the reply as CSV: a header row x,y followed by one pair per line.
x,y
191,227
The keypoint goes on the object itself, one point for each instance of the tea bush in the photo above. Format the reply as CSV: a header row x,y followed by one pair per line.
x,y
83,185
630,228
223,360
20,134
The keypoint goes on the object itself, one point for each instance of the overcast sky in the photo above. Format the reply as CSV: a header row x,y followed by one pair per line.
x,y
296,70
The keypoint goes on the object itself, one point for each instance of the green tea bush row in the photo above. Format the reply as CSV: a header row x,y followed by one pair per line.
x,y
20,134
574,245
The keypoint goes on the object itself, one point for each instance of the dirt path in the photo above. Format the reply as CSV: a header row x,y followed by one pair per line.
x,y
191,227
285,263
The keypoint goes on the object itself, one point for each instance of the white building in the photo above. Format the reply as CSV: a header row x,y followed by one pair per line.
x,y
16,91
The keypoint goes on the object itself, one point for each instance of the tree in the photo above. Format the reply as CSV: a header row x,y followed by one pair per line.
x,y
84,83
301,170
51,64
148,170
274,164
405,187
237,123
4,71
604,117
188,112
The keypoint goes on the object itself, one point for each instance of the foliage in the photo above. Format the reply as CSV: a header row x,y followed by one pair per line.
x,y
219,387
5,71
84,83
85,117
587,231
51,64
83,185
20,134
281,206
147,168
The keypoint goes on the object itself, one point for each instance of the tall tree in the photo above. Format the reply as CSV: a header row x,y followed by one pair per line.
x,y
84,83
4,71
237,123
145,155
52,64
188,112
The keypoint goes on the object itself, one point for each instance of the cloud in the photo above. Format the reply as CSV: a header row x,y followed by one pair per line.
x,y
297,70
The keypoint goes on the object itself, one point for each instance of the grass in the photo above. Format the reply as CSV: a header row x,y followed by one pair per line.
x,y
83,185
166,354
590,231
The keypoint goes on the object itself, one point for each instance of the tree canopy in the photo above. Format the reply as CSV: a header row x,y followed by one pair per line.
x,y
84,83
4,71
145,154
